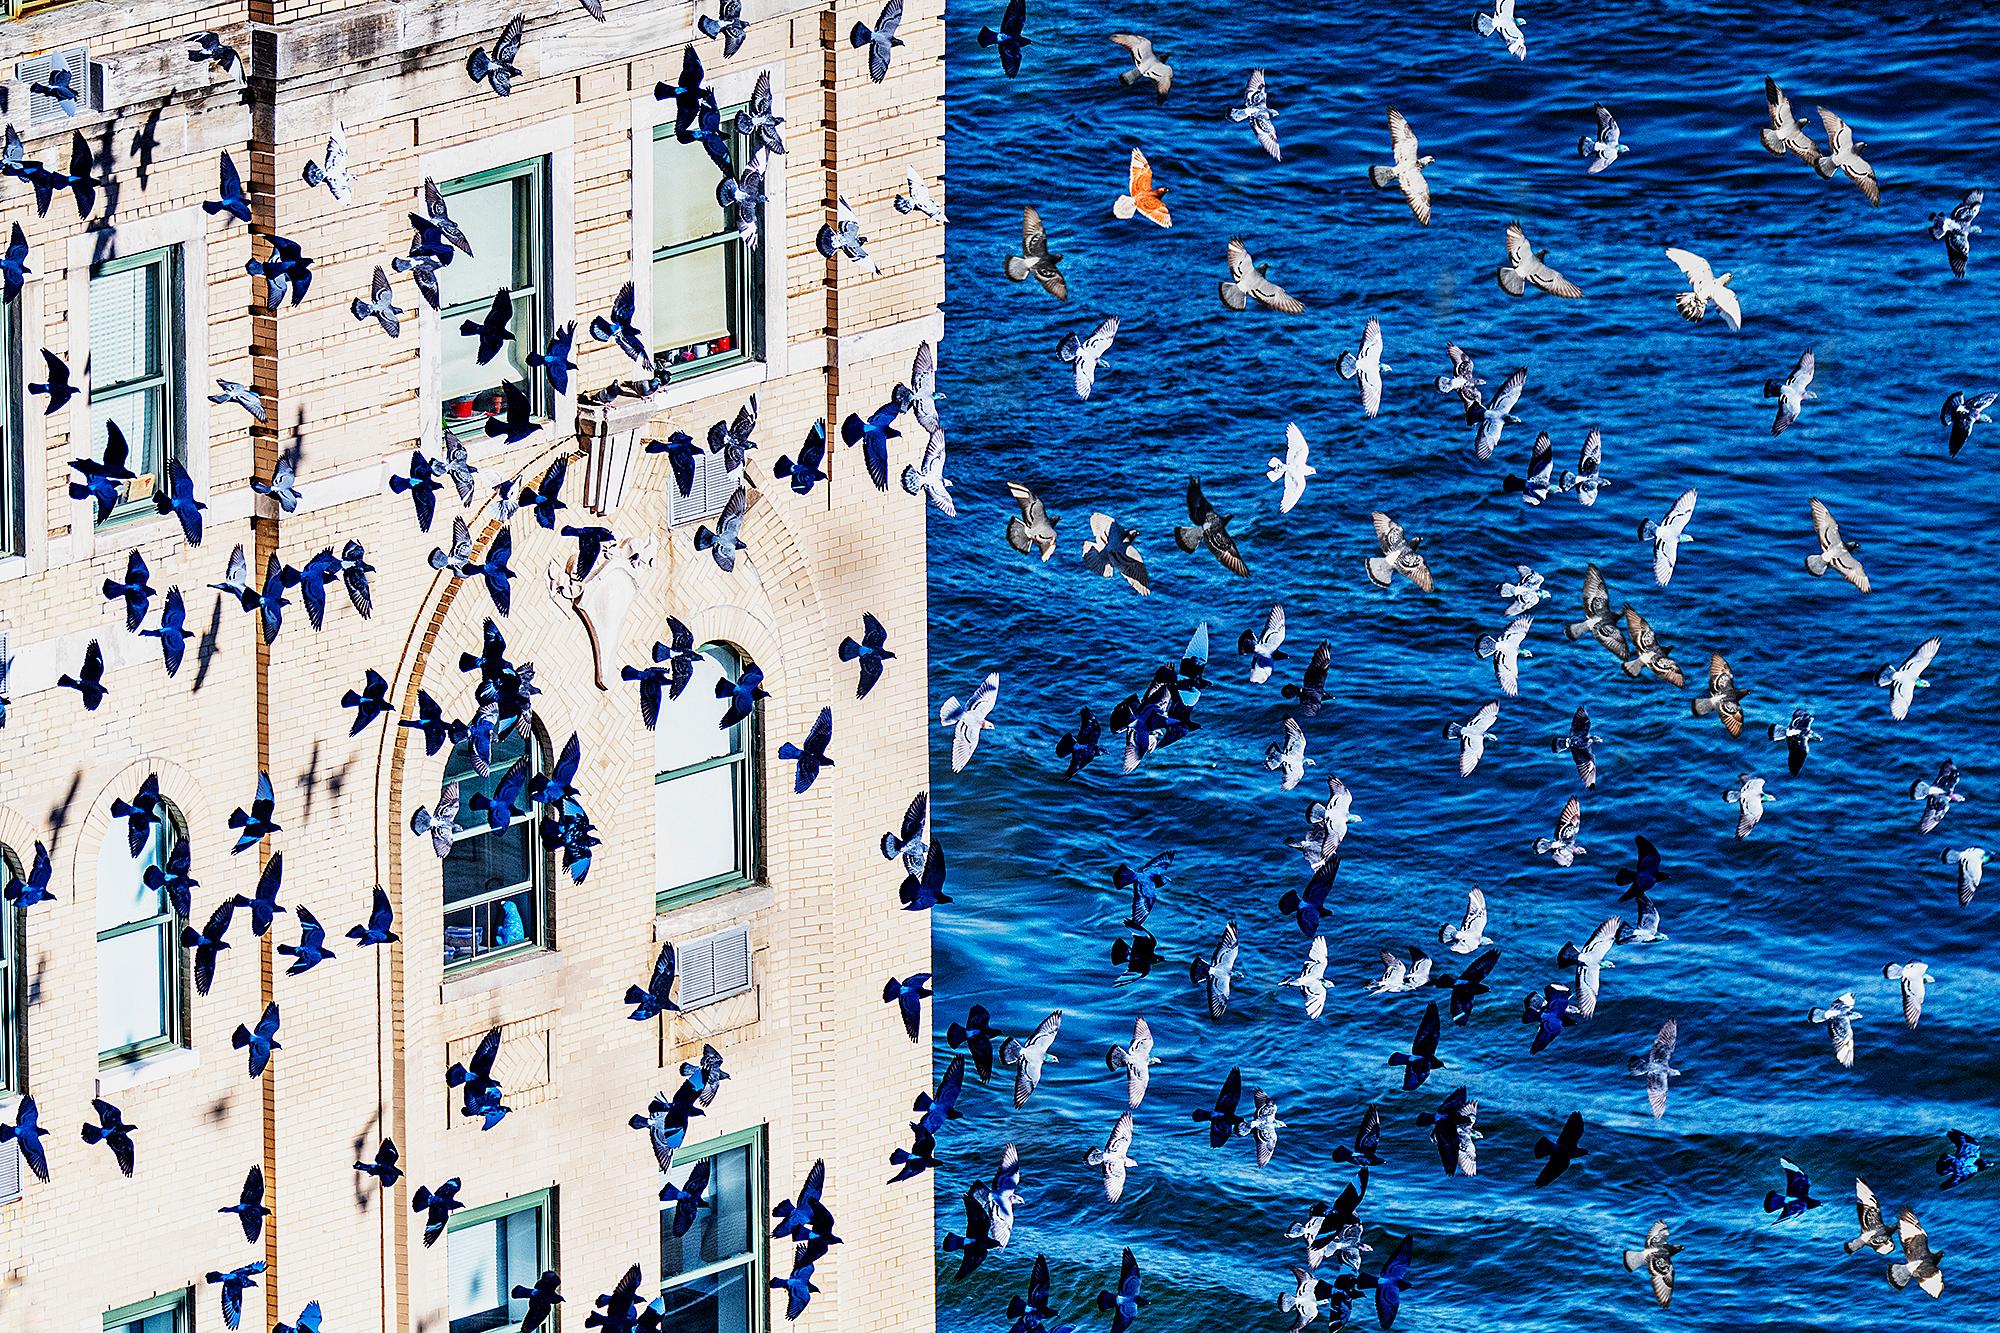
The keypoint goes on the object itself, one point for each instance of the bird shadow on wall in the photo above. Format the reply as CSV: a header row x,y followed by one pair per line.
x,y
312,782
59,812
143,144
208,647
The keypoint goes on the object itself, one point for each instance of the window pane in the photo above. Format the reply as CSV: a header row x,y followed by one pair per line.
x,y
684,203
143,419
487,1261
484,862
162,1321
718,1303
691,305
471,391
699,823
723,1227
124,328
498,219
131,989
122,894
492,880
12,461
687,732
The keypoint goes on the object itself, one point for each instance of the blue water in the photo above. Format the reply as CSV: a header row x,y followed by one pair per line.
x,y
1833,885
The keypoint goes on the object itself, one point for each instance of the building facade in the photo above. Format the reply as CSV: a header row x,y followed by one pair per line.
x,y
783,912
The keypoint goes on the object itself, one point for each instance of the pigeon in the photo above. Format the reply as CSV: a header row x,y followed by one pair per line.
x,y
908,994
1209,527
1706,288
1921,1264
1648,653
1960,413
1422,1057
1525,591
811,758
1559,1151
333,172
1292,470
1289,755
1607,147
260,1042
1534,488
1657,1258
843,237
1838,1019
437,1206
1311,978
1311,693
1550,1012
1033,530
1971,863
249,1206
383,1166
1492,417
234,1283
1025,1058
1667,534
1367,366
1588,479
1036,260
1250,281
1399,555
1124,1301
287,272
1112,550
1462,381
1452,1133
89,680
620,327
1136,1059
920,396
928,479
881,40
967,720
34,889
440,822
1656,1067
1263,1125
1406,173
1471,736
727,24
1905,679
113,1132
496,68
1792,392
1503,23
1147,64
916,198
26,1134
1224,1123
1527,266
1264,650
1874,1235
381,916
1085,354
989,1214
1256,110
208,47
1959,1162
1723,698
1563,848
1843,153
1749,798
1916,977
1468,935
1302,1303
1215,972
1834,553
1506,651
1647,931
1581,745
1468,985
1955,229
1785,134
14,268
1142,197
1593,956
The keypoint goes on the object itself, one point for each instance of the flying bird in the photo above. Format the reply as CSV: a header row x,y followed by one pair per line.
x,y
1251,281
1706,288
1959,413
1084,355
1507,27
1792,392
1785,134
1399,555
1366,365
1147,64
1563,848
1916,978
1657,1259
1025,1058
1556,1154
1608,145
1471,736
1142,197
1292,470
1955,229
1834,553
1207,526
1843,154
1260,115
1036,260
1656,1067
1527,266
1749,798
1904,679
1838,1020
1723,698
1920,1264
1406,170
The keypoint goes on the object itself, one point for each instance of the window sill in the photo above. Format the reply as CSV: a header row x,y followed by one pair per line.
x,y
147,1069
485,980
13,567
718,906
711,384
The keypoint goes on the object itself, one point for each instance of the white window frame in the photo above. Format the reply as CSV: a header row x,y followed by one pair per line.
x,y
648,114
20,323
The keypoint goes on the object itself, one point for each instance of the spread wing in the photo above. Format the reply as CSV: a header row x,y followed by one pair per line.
x,y
1034,239
1519,252
1696,268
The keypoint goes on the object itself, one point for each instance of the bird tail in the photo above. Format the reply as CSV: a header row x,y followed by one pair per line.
x,y
1232,296
1510,282
1120,951
1379,569
1692,307
950,711
1484,22
988,37
1488,645
913,480
1381,178
1899,1276
1068,348
1816,565
1636,1260
860,36
1542,846
1399,1058
315,176
902,204
1632,666
1124,207
1187,538
1734,795
1585,145
1825,167
1567,958
1772,388
1545,1147
1198,971
1349,365
1453,730
1649,530
93,1134
1885,675
1773,141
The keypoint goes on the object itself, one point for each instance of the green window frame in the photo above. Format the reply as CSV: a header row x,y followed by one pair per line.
x,y
496,898
698,767
715,1279
13,993
513,253
123,951
487,1310
696,248
138,350
13,450
172,1312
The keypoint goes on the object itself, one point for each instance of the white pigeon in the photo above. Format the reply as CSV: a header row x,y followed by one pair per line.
x,y
1084,354
1469,935
1311,978
1115,1157
1563,848
929,480
1471,736
1506,651
1289,755
968,719
1838,1018
1904,680
1708,288
1667,534
1971,863
333,172
1292,469
1749,798
1588,962
1367,366
1915,977
1503,22
1525,590
1112,550
1262,649
916,198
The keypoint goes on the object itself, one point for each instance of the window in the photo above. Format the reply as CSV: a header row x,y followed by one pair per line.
x,y
705,280
712,1277
161,1314
495,880
12,993
13,454
141,985
505,214
136,350
492,1250
705,798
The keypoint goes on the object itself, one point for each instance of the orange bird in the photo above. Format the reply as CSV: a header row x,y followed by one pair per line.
x,y
1144,198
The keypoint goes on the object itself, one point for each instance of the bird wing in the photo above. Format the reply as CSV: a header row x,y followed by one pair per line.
x,y
1519,252
1034,239
1696,268
1402,140
1241,265
1140,175
1596,597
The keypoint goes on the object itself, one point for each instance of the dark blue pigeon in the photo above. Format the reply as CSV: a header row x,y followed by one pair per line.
x,y
509,799
481,1098
175,878
309,1321
1795,1198
1450,1133
725,541
1390,1283
438,730
259,1042
233,201
1032,1312
742,693
141,814
286,272
370,702
1137,956
256,824
590,543
807,1218
133,590
1556,1154
177,498
919,1157
809,468
263,905
59,88
383,1167
234,1283
492,331
493,570
619,327
1009,39
14,268
46,181
1309,908
873,434
555,362
249,1206
311,949
111,1130
906,842
271,599
103,478
666,1122
872,651
811,757
1961,1160
1423,1056
437,1206
797,1285
707,1074
1367,1141
654,681
681,452
908,994
497,68
542,1299
656,996
1549,1011
686,1197
518,422
1223,1122
213,50
924,889
977,1034
1081,745
89,680
545,496
731,439
558,785
1641,877
1125,1300
941,1107
618,1310
58,389
688,94
27,1133
421,484
1468,985
35,888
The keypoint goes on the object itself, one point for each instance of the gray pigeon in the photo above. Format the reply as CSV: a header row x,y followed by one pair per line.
x,y
1250,281
1215,973
1025,1058
1749,798
1955,229
1656,1067
1036,260
1256,109
1657,1258
1874,1234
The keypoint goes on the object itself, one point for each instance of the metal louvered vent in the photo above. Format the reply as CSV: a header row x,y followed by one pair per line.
x,y
713,967
713,485
42,109
10,1172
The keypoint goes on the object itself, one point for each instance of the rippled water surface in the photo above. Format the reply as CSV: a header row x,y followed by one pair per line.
x,y
1833,885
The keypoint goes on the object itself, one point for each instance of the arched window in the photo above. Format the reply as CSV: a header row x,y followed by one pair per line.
x,y
707,817
12,992
141,985
496,879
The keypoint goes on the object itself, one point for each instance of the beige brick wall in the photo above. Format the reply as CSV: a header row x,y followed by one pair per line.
x,y
816,1056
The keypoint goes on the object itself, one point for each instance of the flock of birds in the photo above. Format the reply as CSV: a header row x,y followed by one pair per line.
x,y
1338,1269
